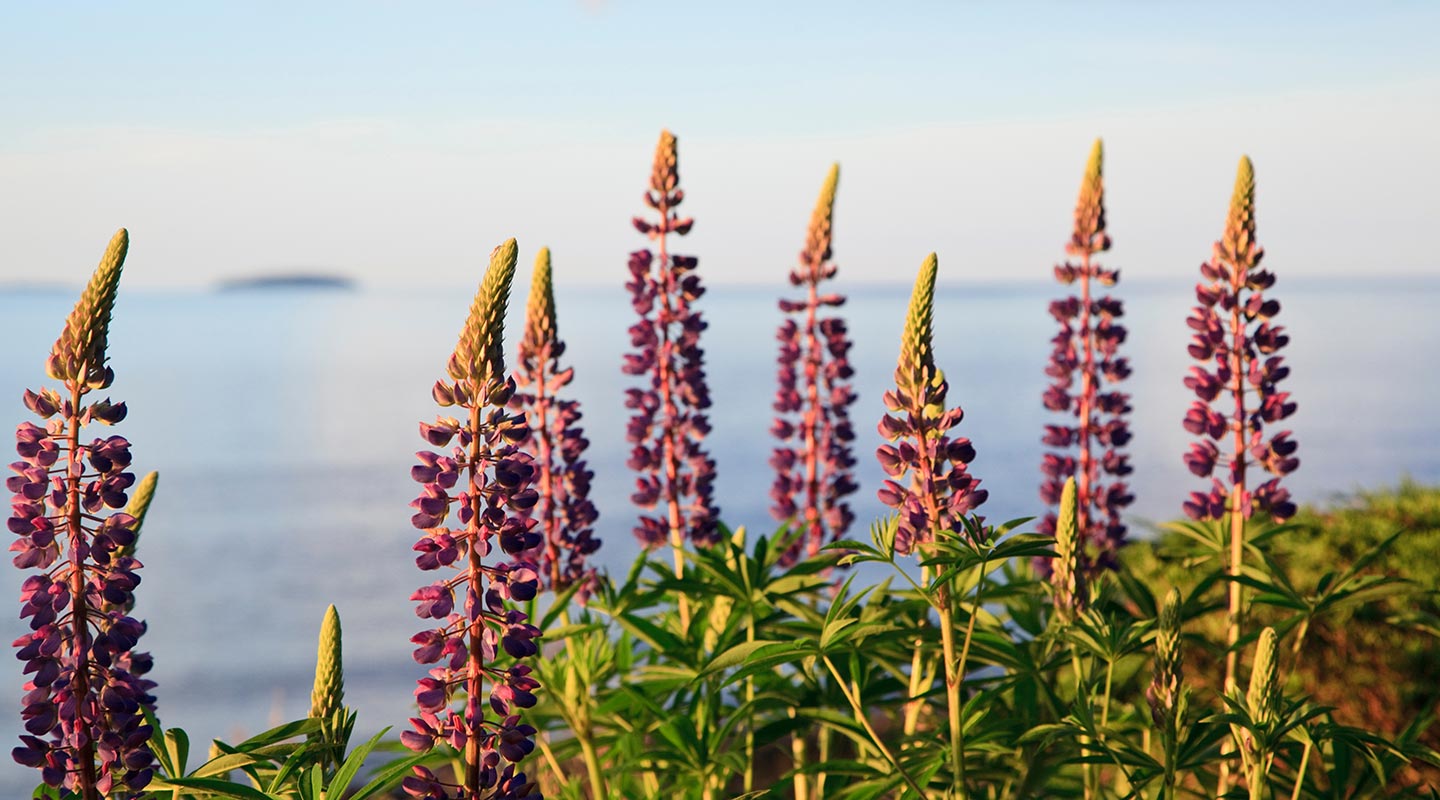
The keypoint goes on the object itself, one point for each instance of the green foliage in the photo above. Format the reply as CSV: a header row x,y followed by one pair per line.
x,y
803,682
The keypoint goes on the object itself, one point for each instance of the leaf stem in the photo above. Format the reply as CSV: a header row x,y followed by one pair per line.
x,y
864,720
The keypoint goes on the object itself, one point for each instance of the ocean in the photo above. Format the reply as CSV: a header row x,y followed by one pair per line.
x,y
283,425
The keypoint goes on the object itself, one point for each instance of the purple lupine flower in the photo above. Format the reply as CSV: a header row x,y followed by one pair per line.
x,y
485,481
1084,366
940,490
814,462
566,515
668,424
1236,341
86,697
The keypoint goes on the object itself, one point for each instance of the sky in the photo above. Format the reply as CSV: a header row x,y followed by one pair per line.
x,y
398,143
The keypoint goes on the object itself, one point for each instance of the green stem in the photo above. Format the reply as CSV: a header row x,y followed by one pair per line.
x,y
864,720
917,673
749,779
1087,769
1105,702
1300,774
823,745
801,781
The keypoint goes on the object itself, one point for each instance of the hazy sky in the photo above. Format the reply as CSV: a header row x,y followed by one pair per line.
x,y
398,142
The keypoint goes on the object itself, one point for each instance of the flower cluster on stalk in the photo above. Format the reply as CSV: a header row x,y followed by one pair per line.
x,y
1236,341
1084,367
930,485
814,462
485,480
676,484
566,515
86,694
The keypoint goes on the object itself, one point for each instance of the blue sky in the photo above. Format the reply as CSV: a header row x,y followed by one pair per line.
x,y
390,140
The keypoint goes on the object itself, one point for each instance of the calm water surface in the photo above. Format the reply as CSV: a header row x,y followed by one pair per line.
x,y
283,426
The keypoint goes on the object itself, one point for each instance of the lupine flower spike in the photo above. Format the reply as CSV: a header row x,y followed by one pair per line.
x,y
1065,574
490,478
1084,367
1262,704
86,698
566,515
1164,692
668,425
931,487
1236,342
814,462
1167,695
327,698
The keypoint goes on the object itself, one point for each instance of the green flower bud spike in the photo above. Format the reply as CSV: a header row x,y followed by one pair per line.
x,y
329,691
540,325
916,366
79,353
480,355
1065,576
138,507
1164,693
1238,240
1263,697
665,175
817,238
1090,206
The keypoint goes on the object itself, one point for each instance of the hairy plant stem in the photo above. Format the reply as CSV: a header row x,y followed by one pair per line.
x,y
1237,520
749,778
547,505
864,720
954,677
800,781
918,668
474,687
671,449
823,747
1085,407
1300,773
1105,701
1087,769
79,612
812,418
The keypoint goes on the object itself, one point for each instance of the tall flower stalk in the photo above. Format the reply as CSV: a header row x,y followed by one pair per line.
x,y
940,492
85,702
676,483
814,462
494,496
1236,342
564,511
1084,367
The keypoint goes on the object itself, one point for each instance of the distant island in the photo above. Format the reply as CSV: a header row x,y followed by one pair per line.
x,y
296,280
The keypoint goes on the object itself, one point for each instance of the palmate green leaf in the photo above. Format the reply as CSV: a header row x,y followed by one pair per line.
x,y
177,745
280,733
558,606
223,764
289,767
353,763
1210,536
212,786
735,656
389,776
651,634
